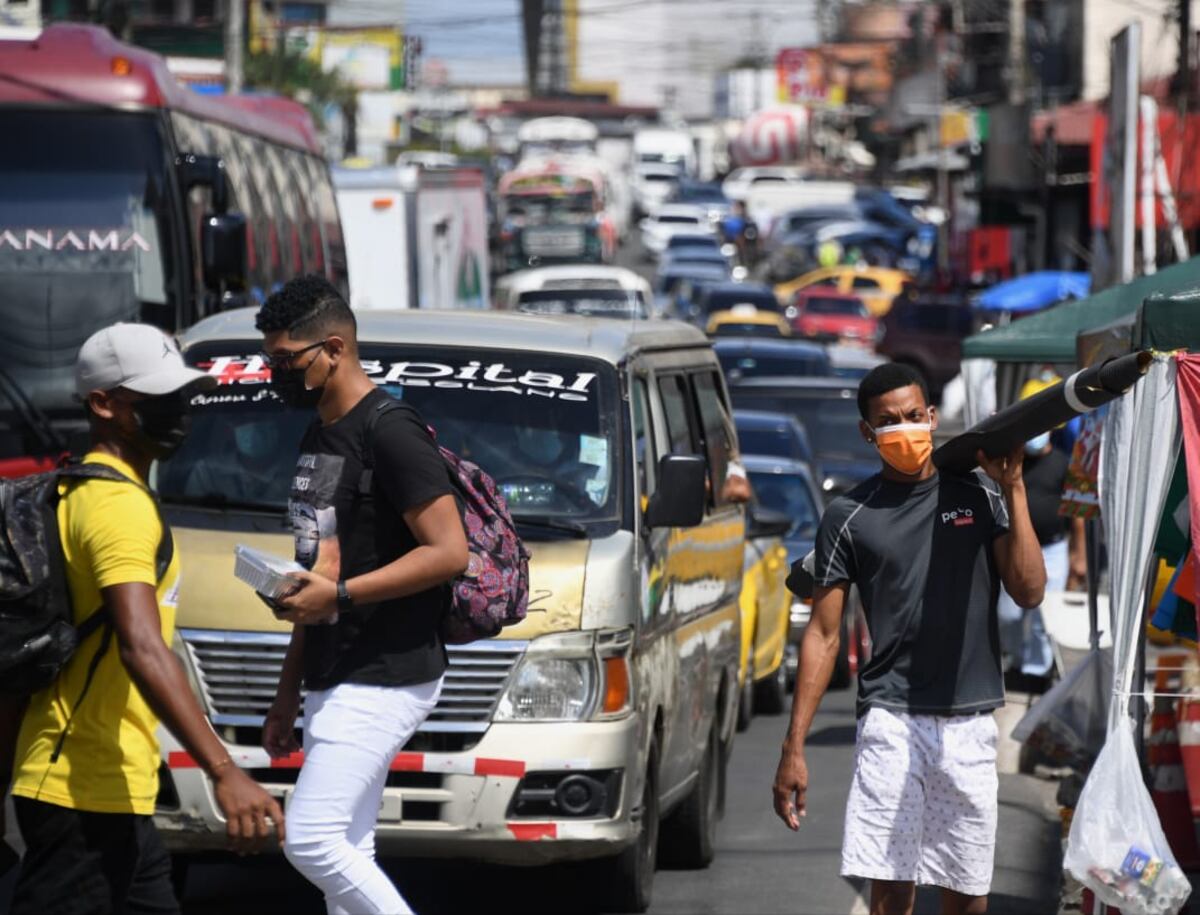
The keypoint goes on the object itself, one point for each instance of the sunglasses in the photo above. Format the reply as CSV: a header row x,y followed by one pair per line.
x,y
282,362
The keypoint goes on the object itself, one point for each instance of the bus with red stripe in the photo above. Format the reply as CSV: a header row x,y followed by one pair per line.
x,y
126,196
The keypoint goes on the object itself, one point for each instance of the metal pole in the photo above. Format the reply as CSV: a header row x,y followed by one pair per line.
x,y
1092,546
235,15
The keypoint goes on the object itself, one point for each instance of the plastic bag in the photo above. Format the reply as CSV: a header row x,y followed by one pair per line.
x,y
1116,847
1068,725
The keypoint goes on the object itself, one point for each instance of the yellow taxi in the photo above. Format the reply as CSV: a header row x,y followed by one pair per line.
x,y
747,321
766,616
876,286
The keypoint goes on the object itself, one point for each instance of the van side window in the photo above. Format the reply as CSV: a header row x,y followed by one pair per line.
x,y
717,438
643,438
673,390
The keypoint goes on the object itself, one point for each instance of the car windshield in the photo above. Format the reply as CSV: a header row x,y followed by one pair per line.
x,y
775,442
788,493
832,422
601,303
727,299
820,305
738,362
542,425
537,210
679,220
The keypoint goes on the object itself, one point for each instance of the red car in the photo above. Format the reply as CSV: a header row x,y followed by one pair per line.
x,y
825,314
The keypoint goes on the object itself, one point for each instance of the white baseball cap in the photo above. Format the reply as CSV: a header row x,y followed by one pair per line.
x,y
139,357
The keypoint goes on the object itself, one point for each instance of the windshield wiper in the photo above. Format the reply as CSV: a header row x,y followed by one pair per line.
x,y
39,424
561,525
219,500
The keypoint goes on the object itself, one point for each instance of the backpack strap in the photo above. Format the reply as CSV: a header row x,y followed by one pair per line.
x,y
366,480
100,619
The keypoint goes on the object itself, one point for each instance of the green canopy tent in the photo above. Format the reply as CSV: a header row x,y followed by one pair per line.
x,y
1049,336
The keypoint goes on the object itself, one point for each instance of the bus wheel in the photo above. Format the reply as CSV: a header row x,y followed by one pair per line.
x,y
628,879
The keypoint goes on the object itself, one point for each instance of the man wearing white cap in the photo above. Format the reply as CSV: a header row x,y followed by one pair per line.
x,y
84,763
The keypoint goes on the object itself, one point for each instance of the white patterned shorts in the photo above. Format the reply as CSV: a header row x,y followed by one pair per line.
x,y
922,805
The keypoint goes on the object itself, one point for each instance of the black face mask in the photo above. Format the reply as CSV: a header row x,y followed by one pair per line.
x,y
289,385
162,424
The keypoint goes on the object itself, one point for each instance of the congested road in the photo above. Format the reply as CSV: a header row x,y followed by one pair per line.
x,y
760,867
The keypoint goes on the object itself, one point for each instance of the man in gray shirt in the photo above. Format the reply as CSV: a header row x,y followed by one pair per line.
x,y
927,552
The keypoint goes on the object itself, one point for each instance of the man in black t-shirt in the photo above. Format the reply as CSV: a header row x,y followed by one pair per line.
x,y
378,529
927,552
1023,636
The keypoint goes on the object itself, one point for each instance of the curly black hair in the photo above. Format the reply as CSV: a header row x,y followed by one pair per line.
x,y
885,378
307,306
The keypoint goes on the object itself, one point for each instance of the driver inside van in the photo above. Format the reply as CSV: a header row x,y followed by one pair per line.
x,y
576,464
245,468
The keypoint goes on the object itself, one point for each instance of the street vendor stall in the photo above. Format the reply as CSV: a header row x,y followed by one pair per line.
x,y
1117,846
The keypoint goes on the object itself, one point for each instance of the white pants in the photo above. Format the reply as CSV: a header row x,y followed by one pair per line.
x,y
1023,632
351,734
923,802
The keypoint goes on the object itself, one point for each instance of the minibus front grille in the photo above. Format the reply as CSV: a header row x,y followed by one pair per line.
x,y
237,673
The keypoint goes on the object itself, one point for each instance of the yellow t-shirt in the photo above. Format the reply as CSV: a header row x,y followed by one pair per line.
x,y
109,761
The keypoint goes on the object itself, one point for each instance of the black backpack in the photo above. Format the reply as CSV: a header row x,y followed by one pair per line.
x,y
37,633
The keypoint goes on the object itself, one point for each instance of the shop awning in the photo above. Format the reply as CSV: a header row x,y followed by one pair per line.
x,y
1049,336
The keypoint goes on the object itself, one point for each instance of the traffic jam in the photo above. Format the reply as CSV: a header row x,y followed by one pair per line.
x,y
639,343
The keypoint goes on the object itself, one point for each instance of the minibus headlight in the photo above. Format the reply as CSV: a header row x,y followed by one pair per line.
x,y
548,688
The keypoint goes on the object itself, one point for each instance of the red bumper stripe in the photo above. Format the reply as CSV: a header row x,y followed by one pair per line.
x,y
408,762
291,761
511,768
177,759
531,832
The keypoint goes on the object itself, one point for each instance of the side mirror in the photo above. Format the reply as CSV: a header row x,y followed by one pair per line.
x,y
223,250
679,499
766,522
208,171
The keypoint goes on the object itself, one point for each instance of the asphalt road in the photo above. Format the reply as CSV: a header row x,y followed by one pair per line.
x,y
760,867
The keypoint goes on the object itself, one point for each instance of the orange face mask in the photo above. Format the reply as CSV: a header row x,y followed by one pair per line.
x,y
906,446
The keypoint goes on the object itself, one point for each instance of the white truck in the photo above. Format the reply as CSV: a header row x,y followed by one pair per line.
x,y
660,146
415,237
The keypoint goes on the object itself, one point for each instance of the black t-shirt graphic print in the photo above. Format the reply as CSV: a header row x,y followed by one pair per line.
x,y
342,531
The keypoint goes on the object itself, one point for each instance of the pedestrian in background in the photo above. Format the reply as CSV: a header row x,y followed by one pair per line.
x,y
927,552
1025,643
85,761
377,525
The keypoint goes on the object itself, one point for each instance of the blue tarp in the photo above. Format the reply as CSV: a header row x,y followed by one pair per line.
x,y
1035,291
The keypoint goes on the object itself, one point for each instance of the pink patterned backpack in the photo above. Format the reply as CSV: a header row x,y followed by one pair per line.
x,y
494,590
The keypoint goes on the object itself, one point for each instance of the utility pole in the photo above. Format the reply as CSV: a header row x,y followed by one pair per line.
x,y
1016,52
235,19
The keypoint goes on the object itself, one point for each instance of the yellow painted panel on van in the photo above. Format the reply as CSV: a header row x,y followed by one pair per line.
x,y
210,597
556,574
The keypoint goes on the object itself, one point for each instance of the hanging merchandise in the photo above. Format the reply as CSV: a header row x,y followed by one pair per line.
x,y
1189,411
1081,492
1175,615
1116,847
1175,533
